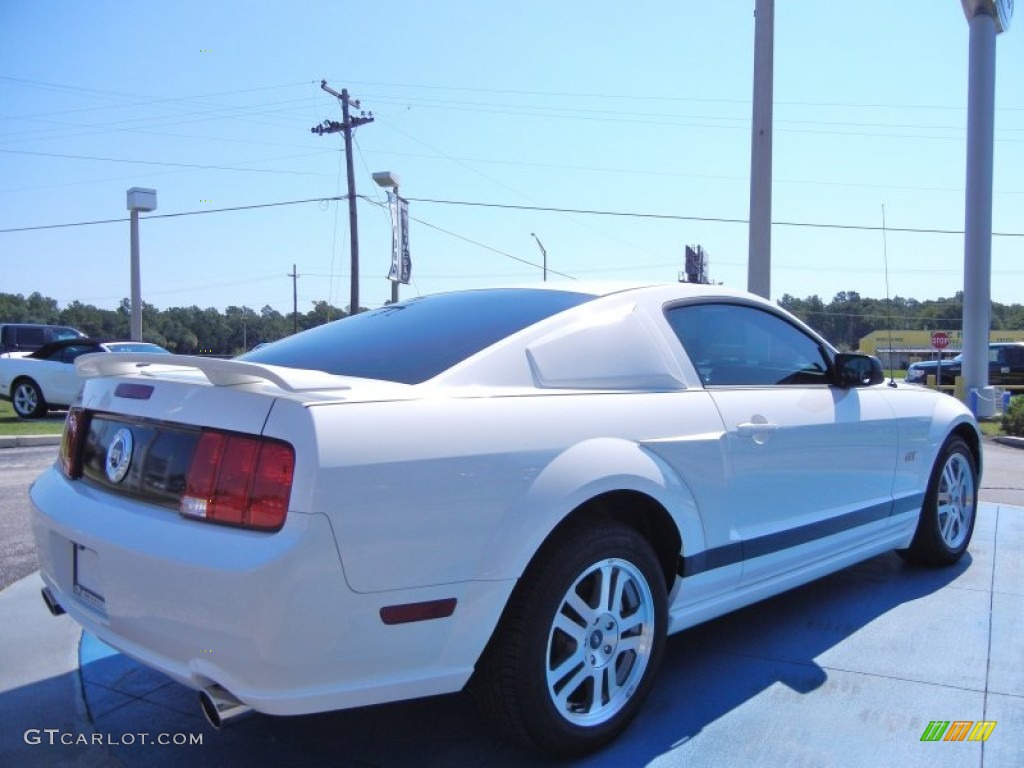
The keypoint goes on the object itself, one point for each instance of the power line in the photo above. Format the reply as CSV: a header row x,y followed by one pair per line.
x,y
661,97
179,214
711,219
126,99
474,242
827,127
509,206
181,165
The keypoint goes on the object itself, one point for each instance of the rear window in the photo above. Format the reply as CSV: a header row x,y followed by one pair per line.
x,y
415,340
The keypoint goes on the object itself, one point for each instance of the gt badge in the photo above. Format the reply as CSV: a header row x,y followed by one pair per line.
x,y
119,455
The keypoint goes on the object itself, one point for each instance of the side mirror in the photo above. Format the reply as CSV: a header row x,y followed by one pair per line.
x,y
853,370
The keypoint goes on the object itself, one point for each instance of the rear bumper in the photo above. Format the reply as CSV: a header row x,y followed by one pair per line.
x,y
269,617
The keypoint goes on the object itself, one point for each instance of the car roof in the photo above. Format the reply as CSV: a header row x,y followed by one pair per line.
x,y
48,349
601,288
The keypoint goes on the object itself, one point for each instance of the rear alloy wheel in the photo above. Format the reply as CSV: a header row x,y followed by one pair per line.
x,y
27,400
950,508
576,651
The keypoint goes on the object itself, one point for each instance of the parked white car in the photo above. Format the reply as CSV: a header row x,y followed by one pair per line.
x,y
44,379
523,491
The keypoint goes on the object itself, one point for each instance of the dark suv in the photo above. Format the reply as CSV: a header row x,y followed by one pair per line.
x,y
1005,366
28,337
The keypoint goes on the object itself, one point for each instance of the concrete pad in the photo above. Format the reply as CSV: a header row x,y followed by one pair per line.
x,y
850,719
880,617
849,670
1009,564
1006,664
1005,747
40,697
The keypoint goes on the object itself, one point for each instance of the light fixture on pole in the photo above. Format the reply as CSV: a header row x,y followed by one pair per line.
x,y
400,266
139,199
544,254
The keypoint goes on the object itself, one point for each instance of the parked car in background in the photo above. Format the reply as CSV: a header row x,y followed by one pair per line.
x,y
519,490
1005,366
45,379
28,337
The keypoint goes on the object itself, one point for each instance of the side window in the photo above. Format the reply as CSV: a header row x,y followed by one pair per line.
x,y
59,334
736,345
31,337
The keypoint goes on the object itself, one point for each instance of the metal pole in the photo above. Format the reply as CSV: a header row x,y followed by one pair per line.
x,y
544,255
295,299
136,323
981,84
394,283
759,253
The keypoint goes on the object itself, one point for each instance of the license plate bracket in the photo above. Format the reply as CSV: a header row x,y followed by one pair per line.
x,y
87,583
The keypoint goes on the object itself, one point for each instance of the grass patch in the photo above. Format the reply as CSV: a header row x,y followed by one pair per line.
x,y
10,424
991,427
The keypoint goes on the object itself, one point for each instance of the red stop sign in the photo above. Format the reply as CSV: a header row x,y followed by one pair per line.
x,y
940,340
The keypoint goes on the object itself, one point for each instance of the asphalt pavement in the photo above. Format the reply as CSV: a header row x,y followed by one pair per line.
x,y
850,670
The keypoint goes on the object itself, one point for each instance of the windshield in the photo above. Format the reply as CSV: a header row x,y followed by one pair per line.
x,y
415,340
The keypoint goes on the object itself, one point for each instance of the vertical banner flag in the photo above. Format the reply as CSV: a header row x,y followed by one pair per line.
x,y
401,263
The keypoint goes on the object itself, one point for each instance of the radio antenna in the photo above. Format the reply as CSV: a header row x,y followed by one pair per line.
x,y
888,300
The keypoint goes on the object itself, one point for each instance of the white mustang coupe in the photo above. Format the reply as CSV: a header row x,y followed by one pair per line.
x,y
522,491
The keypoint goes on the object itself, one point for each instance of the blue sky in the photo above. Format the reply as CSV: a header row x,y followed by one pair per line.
x,y
636,108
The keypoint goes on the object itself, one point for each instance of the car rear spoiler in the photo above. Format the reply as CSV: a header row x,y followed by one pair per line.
x,y
221,373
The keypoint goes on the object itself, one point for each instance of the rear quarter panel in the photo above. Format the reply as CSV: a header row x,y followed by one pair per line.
x,y
446,490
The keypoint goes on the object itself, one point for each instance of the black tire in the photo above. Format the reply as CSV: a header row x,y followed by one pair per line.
x,y
950,508
589,615
27,399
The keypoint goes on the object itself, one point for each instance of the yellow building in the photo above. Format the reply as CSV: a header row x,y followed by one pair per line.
x,y
906,347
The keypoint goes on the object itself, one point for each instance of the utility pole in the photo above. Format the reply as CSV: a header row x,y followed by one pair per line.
x,y
544,253
759,254
294,275
346,126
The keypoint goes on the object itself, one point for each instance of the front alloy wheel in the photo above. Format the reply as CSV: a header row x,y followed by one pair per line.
x,y
950,507
955,501
574,655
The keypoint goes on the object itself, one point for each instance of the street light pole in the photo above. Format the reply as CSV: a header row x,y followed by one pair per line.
x,y
544,254
139,199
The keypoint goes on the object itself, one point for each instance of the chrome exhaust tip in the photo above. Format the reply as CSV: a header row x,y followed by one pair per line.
x,y
219,705
52,605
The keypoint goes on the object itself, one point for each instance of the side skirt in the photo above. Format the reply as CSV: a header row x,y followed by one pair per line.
x,y
683,615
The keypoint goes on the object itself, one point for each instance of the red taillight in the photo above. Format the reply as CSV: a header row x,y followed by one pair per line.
x,y
239,480
70,443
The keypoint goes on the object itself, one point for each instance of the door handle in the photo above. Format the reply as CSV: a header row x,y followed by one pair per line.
x,y
757,428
